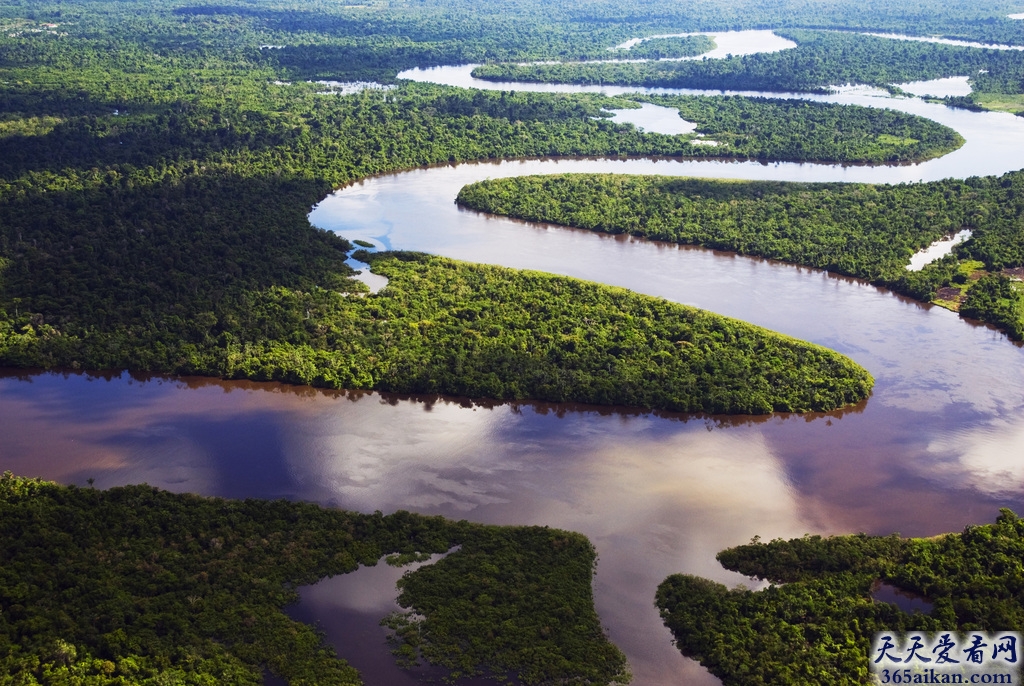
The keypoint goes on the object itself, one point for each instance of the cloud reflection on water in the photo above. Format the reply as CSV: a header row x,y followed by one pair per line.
x,y
655,498
986,459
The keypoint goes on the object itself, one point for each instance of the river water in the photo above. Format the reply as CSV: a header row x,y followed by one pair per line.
x,y
935,448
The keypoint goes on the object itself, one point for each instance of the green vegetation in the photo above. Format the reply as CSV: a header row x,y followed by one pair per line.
x,y
508,334
817,626
820,60
839,227
154,181
868,231
447,327
667,48
797,130
139,586
999,300
513,601
1000,102
157,161
954,289
373,41
133,238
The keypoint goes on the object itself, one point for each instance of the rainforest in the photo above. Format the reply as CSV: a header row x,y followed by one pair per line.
x,y
818,614
554,420
866,231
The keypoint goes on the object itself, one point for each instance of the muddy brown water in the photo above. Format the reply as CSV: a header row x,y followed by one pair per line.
x,y
935,448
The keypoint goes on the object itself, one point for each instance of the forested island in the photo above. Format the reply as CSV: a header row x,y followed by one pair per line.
x,y
470,330
866,231
814,624
800,131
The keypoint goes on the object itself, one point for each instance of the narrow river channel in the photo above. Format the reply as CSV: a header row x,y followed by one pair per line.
x,y
935,448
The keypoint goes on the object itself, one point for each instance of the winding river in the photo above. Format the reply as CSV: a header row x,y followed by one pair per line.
x,y
935,448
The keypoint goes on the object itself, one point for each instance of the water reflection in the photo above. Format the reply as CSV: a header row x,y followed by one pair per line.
x,y
350,87
939,248
348,609
947,41
727,43
904,600
876,469
655,496
983,458
939,88
375,282
648,492
655,119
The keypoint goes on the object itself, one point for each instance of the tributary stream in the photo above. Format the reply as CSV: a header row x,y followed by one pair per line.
x,y
937,446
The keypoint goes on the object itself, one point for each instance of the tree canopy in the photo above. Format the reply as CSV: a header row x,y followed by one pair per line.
x,y
868,231
815,623
140,586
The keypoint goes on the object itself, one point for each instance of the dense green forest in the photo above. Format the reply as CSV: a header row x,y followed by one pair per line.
x,y
374,41
815,623
447,327
868,231
143,199
157,161
153,198
820,60
769,129
514,601
140,586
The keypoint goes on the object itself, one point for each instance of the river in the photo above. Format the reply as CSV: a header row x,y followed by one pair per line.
x,y
935,448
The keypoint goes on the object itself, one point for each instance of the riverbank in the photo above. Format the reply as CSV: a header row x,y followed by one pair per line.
x,y
870,232
485,332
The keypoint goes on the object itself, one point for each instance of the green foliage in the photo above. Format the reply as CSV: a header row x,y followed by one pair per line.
x,y
187,249
170,237
199,197
517,600
447,327
999,300
154,174
820,60
867,231
140,586
475,330
168,251
796,130
373,42
855,229
817,627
